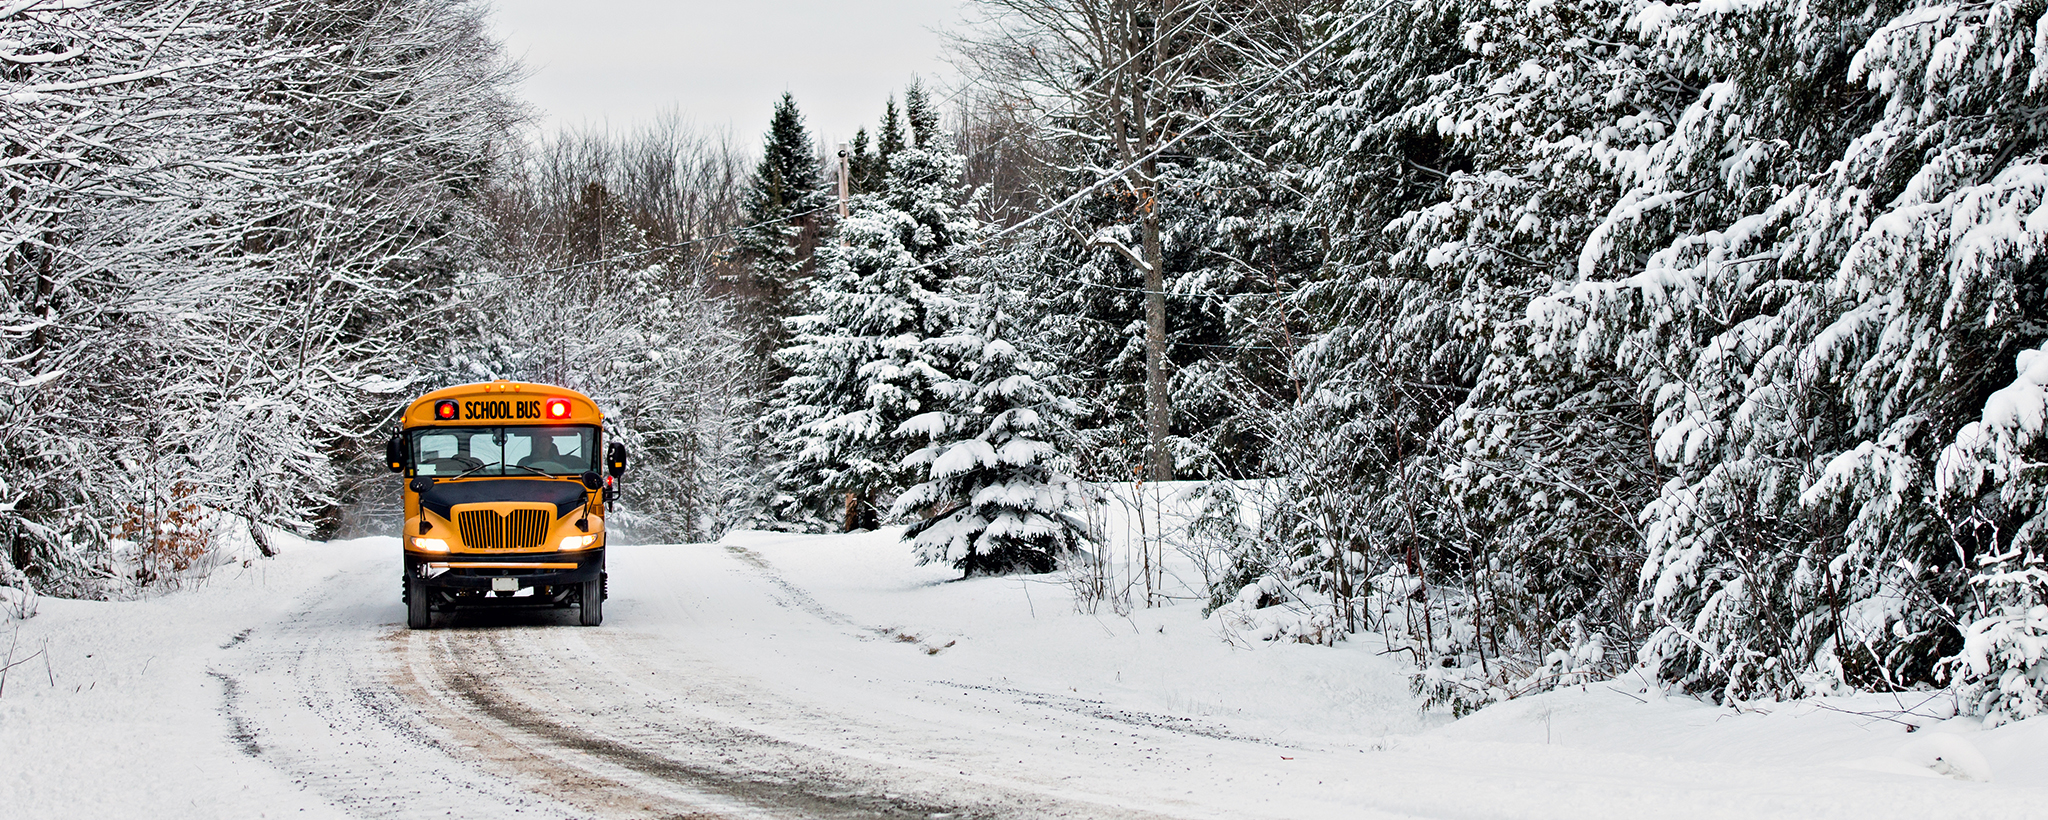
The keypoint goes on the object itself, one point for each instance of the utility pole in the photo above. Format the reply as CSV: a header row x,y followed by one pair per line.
x,y
853,510
845,183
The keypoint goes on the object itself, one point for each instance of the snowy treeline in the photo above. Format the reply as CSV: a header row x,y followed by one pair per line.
x,y
1569,336
218,221
609,269
1664,332
239,235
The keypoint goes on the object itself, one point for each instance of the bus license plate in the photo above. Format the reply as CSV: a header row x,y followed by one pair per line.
x,y
504,585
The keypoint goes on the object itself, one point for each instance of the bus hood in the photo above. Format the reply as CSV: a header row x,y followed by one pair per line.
x,y
566,496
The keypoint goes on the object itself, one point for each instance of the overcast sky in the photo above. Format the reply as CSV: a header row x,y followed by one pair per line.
x,y
722,62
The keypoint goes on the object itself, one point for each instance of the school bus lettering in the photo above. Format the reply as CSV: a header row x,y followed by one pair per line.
x,y
501,410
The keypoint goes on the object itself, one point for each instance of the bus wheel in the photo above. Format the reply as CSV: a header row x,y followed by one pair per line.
x,y
417,613
592,611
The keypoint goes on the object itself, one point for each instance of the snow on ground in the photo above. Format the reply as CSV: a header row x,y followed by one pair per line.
x,y
110,710
744,678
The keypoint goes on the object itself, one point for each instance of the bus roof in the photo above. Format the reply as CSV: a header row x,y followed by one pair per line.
x,y
502,402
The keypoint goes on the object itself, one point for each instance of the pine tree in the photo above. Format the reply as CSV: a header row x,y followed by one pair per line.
x,y
1697,293
783,213
890,139
994,496
857,368
924,119
1431,447
866,172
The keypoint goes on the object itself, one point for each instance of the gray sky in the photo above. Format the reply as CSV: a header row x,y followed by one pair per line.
x,y
722,62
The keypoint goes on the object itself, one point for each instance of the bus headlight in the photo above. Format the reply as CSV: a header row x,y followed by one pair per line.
x,y
577,542
430,544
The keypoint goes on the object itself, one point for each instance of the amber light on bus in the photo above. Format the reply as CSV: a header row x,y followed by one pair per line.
x,y
444,410
558,408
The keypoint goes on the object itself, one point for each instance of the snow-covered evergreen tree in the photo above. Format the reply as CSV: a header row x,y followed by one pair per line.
x,y
782,218
1844,282
922,116
858,366
1988,477
864,171
889,138
994,496
1698,283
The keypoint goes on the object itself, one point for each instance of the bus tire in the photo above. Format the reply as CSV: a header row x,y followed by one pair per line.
x,y
591,610
418,613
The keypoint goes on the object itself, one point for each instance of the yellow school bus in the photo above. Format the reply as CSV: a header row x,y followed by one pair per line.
x,y
504,501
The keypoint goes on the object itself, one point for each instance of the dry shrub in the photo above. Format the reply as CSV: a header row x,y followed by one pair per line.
x,y
172,530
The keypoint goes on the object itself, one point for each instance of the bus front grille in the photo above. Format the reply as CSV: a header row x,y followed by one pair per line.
x,y
487,530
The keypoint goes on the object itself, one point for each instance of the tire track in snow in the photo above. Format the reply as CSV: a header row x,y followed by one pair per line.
x,y
640,752
803,600
792,596
702,743
239,730
515,713
796,596
1102,711
315,698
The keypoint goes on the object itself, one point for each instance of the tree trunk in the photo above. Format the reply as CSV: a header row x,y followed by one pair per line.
x,y
1157,415
262,539
1148,109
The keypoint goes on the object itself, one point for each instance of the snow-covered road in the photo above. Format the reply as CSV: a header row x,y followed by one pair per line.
x,y
823,677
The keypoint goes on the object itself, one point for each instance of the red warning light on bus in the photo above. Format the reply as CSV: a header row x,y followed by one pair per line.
x,y
444,410
558,408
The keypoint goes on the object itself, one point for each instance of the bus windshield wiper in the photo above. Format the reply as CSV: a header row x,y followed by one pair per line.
x,y
534,470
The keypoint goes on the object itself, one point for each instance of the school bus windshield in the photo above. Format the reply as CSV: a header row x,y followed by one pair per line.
x,y
504,451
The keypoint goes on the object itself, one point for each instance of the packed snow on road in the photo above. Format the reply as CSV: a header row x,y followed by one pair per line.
x,y
772,675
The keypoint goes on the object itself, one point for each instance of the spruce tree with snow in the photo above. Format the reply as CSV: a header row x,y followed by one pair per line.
x,y
1988,477
995,497
889,139
784,204
924,119
1833,296
864,172
857,364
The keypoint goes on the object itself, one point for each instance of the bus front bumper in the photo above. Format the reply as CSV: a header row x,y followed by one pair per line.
x,y
488,571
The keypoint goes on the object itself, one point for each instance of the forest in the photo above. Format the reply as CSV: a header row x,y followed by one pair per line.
x,y
1547,341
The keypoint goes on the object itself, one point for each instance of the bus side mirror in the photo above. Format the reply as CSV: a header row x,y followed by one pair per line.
x,y
394,453
615,459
